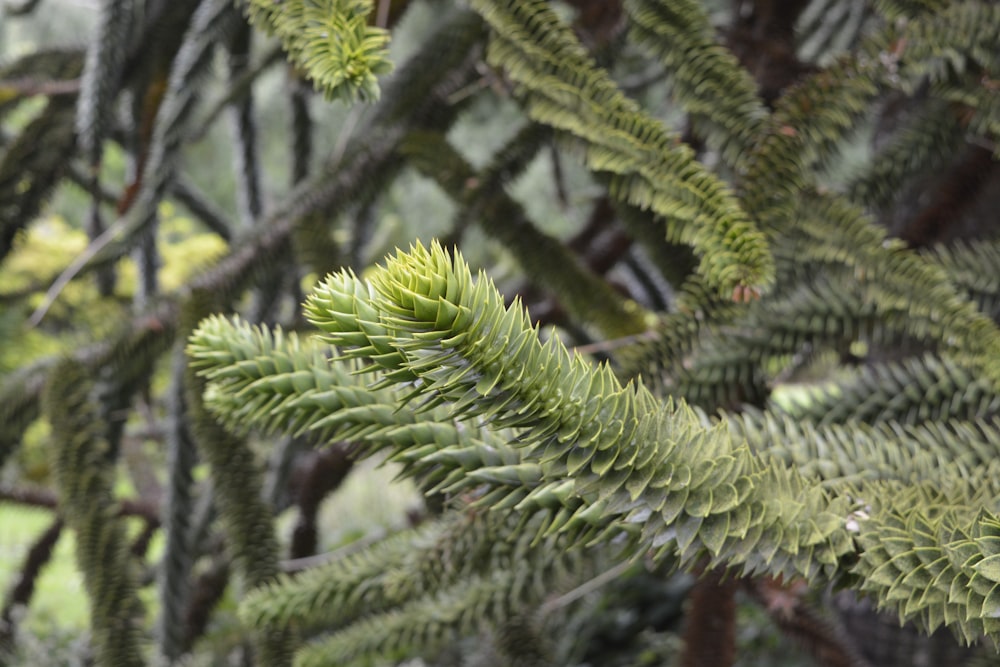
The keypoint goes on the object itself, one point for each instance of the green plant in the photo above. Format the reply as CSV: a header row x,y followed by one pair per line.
x,y
786,280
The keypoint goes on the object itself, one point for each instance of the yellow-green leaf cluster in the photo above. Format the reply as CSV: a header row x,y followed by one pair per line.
x,y
331,41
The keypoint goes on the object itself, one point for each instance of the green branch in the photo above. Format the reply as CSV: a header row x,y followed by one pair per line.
x,y
546,260
237,478
83,467
424,322
707,79
649,168
273,382
331,41
632,461
417,587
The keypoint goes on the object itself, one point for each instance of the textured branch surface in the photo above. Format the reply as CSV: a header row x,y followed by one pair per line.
x,y
649,168
331,41
83,469
602,458
424,322
626,459
419,587
101,77
248,520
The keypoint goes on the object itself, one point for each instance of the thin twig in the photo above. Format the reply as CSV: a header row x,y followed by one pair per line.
x,y
70,272
299,564
585,588
615,343
37,497
30,86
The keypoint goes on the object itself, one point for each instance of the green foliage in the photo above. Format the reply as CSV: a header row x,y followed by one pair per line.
x,y
419,587
588,297
82,465
752,336
707,79
612,458
422,322
907,393
248,519
649,169
331,41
